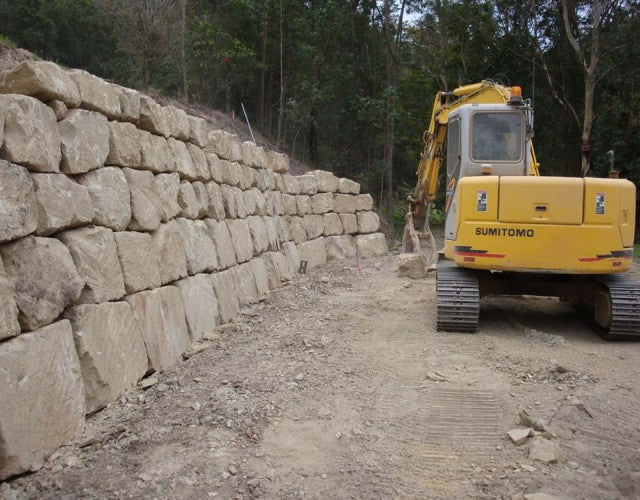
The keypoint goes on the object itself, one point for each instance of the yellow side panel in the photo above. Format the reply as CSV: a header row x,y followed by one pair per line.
x,y
485,207
541,200
611,201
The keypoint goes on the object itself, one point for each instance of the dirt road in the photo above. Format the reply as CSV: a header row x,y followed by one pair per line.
x,y
340,387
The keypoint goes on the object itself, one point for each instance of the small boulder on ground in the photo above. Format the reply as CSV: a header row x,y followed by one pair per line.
x,y
412,265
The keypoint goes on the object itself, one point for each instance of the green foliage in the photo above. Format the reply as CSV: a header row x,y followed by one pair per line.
x,y
7,41
437,216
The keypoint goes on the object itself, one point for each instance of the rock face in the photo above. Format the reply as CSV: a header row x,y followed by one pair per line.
x,y
160,314
225,285
167,187
31,136
314,224
371,245
340,247
368,222
96,94
332,224
412,265
42,397
327,182
109,344
139,261
9,325
219,233
322,203
200,305
46,280
124,145
313,252
348,186
18,208
152,117
84,137
62,203
146,212
344,203
199,249
95,255
41,79
170,245
364,202
241,239
110,197
349,223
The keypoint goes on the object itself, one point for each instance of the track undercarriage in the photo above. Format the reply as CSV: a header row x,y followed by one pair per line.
x,y
612,302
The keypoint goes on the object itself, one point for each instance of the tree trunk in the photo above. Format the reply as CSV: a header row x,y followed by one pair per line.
x,y
183,51
281,109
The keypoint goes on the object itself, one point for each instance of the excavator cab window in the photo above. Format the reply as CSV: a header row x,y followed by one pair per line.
x,y
497,136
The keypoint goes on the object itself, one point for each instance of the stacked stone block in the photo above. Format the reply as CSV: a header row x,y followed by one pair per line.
x,y
128,231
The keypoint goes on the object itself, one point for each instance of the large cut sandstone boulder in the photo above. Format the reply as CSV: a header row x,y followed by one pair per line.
x,y
219,143
230,172
219,233
95,255
349,223
308,184
200,251
202,198
371,245
200,305
167,187
139,261
189,205
215,167
96,94
110,197
413,265
238,196
322,203
198,131
154,153
344,203
340,247
314,252
247,287
9,324
31,136
364,202
181,159
178,122
290,204
304,205
146,210
259,234
41,79
327,182
250,204
293,256
241,239
84,137
273,237
152,117
215,201
62,203
261,276
199,161
58,107
277,162
225,285
332,224
170,246
18,207
45,277
124,145
290,184
314,224
229,201
109,344
160,314
297,229
42,397
348,186
129,104
368,222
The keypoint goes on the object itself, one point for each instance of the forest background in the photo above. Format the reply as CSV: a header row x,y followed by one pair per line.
x,y
348,85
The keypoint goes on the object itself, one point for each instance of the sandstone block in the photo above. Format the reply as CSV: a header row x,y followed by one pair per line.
x,y
249,199
258,234
412,265
178,120
239,199
247,287
198,131
364,202
262,179
58,107
260,158
9,324
266,202
202,198
189,205
124,145
215,167
181,159
95,255
368,222
273,269
46,280
146,211
314,225
139,261
62,203
110,348
84,137
249,155
290,204
199,161
221,237
167,187
297,229
154,153
18,207
215,205
291,252
314,252
308,184
371,245
273,235
171,251
327,182
230,172
41,79
277,162
229,201
152,117
42,397
303,203
332,224
340,247
225,285
219,143
322,203
31,136
129,104
160,314
241,239
96,94
200,251
200,305
348,186
261,277
344,203
291,185
247,177
349,223
110,198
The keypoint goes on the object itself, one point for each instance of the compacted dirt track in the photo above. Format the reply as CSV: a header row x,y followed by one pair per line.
x,y
340,387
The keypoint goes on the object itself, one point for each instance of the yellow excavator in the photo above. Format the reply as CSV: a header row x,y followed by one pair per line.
x,y
510,231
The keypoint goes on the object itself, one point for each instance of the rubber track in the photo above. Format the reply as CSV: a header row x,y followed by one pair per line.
x,y
457,299
624,294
